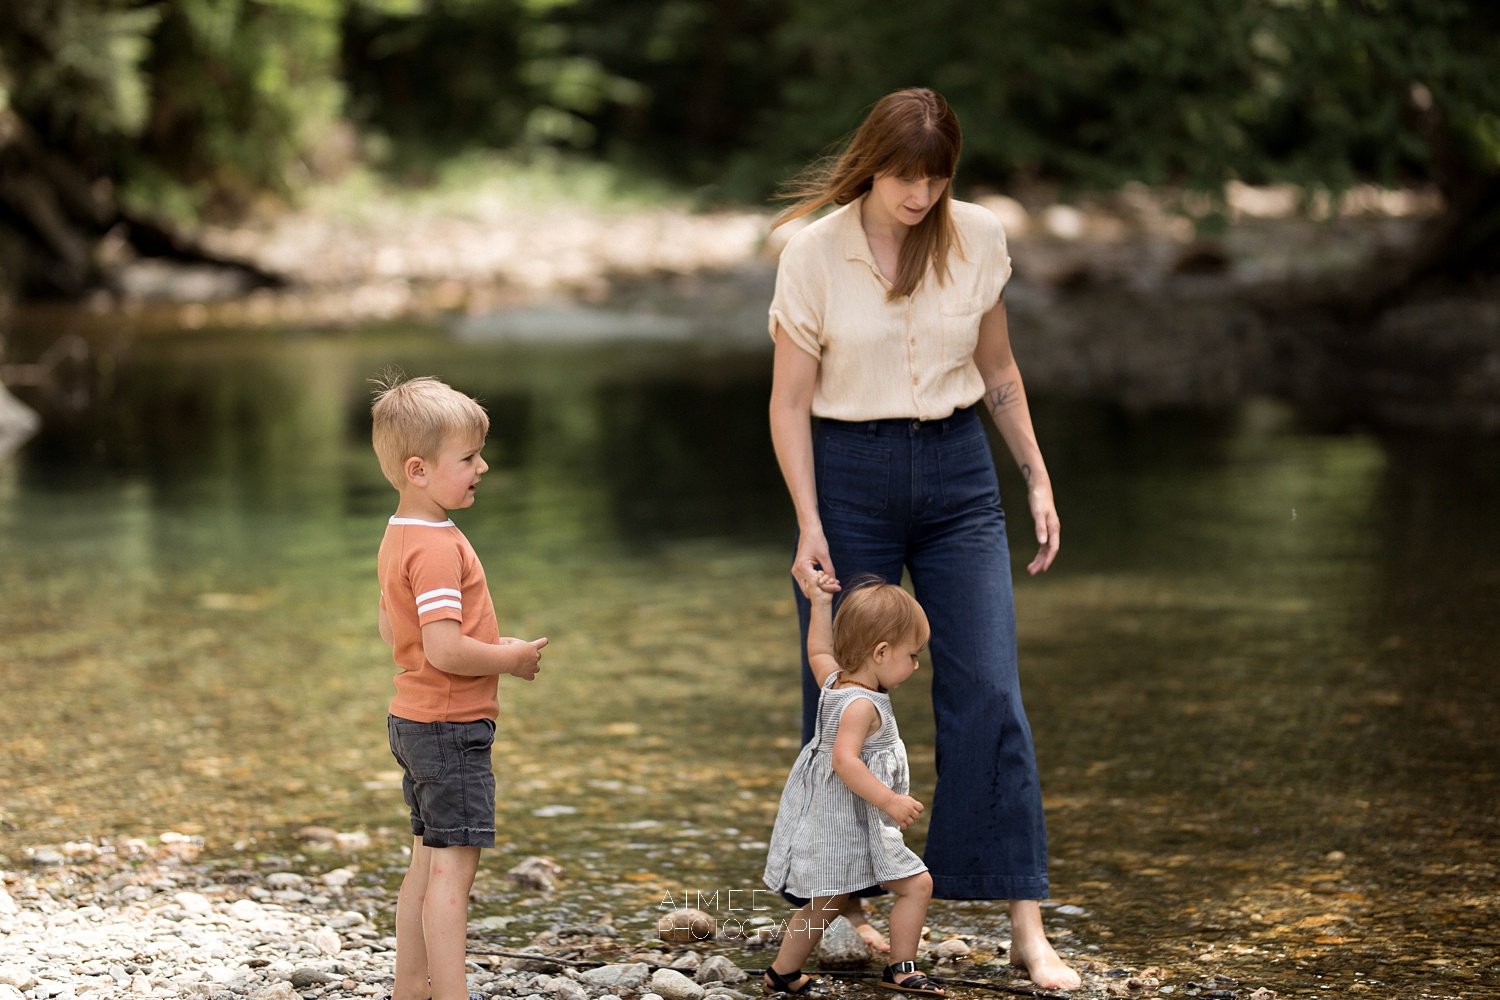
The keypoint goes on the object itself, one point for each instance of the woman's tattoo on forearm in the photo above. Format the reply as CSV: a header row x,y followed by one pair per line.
x,y
1026,472
1003,397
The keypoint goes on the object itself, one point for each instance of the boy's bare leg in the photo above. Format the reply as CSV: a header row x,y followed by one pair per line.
x,y
854,912
411,948
913,893
445,918
803,932
1030,949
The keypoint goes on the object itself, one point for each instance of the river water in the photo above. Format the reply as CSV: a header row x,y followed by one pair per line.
x,y
1261,674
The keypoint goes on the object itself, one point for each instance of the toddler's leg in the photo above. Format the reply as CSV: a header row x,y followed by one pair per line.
x,y
411,949
912,895
854,912
445,918
803,932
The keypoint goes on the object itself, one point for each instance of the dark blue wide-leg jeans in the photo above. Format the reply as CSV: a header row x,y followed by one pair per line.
x,y
923,496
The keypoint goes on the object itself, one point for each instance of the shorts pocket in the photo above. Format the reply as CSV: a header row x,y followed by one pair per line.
x,y
967,472
854,476
418,748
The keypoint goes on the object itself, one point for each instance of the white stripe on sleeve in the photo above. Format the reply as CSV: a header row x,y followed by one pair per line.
x,y
440,592
422,609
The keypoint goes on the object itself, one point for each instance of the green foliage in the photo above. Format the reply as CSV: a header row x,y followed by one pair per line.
x,y
205,103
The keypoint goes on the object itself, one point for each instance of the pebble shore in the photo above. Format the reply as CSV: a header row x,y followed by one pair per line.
x,y
150,919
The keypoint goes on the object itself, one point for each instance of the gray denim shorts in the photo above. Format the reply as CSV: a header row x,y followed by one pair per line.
x,y
447,780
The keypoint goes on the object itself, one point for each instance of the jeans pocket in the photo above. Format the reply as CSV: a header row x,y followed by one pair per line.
x,y
418,748
475,737
967,472
854,476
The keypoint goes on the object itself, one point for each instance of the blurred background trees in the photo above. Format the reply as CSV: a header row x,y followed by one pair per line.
x,y
130,119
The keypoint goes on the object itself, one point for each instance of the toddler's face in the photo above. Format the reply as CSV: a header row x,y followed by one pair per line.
x,y
454,475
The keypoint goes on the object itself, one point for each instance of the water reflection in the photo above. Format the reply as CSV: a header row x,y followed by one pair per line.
x,y
1260,675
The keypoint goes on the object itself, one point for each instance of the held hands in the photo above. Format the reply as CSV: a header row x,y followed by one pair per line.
x,y
818,586
813,561
1048,528
903,809
528,657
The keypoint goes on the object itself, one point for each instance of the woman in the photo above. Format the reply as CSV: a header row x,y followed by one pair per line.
x,y
890,326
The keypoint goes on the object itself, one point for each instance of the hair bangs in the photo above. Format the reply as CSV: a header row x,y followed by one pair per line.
x,y
927,152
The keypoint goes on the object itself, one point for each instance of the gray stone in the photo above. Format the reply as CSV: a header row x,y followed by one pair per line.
x,y
566,989
675,986
305,978
613,977
718,969
947,951
717,990
842,947
278,991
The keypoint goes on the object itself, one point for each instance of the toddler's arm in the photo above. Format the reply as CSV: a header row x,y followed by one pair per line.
x,y
855,725
385,629
448,649
820,628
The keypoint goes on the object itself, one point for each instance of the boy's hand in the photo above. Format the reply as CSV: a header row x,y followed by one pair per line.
x,y
528,658
903,809
819,587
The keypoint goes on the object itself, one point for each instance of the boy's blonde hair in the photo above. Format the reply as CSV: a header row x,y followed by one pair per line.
x,y
414,416
871,613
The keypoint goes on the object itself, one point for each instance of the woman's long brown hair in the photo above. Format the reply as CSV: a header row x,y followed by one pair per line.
x,y
911,133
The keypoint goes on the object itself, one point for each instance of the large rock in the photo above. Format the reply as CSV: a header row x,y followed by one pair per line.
x,y
305,978
842,947
947,951
18,976
686,926
536,873
617,977
718,969
671,985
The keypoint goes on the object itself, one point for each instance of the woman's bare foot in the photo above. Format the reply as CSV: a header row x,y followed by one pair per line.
x,y
1045,969
1031,952
872,937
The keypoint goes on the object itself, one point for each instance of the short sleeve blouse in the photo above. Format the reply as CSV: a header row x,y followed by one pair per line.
x,y
910,359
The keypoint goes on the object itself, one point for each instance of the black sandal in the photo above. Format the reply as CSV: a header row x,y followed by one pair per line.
x,y
911,984
782,983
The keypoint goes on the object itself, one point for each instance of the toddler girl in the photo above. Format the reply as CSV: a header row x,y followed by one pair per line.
x,y
845,804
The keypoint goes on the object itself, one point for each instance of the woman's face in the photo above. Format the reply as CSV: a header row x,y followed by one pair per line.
x,y
905,199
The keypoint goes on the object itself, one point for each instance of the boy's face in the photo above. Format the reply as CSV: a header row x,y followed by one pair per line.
x,y
454,474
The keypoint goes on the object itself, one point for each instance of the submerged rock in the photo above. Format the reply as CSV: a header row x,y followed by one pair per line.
x,y
842,947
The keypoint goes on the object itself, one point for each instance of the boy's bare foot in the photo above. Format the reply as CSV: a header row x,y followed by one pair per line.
x,y
872,937
1044,968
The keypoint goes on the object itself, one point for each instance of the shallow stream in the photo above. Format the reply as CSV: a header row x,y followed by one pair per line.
x,y
1261,674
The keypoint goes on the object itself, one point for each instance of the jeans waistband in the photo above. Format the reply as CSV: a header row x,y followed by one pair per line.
x,y
960,419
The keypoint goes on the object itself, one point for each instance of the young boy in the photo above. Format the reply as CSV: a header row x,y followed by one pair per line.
x,y
436,614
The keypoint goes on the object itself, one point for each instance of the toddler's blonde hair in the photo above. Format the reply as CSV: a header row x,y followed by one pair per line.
x,y
871,613
414,416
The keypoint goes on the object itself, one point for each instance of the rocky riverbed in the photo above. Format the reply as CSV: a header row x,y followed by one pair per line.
x,y
1119,296
139,918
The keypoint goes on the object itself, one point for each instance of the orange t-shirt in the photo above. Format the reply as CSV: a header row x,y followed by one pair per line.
x,y
429,572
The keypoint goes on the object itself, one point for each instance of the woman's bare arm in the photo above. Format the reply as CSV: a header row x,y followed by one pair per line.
x,y
792,381
1005,398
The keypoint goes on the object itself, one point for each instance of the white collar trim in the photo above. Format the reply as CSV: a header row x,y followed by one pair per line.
x,y
420,523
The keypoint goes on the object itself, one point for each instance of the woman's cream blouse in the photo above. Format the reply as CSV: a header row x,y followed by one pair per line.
x,y
911,358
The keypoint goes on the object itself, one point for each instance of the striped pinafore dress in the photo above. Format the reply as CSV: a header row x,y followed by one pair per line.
x,y
827,840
